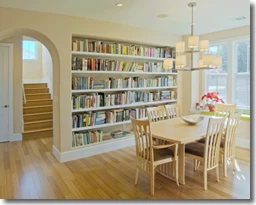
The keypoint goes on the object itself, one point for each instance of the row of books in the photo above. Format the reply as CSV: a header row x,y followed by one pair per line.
x,y
168,95
94,100
124,49
84,138
138,82
93,64
84,83
105,117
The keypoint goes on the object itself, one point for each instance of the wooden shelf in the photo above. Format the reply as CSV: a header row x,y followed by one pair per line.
x,y
122,89
123,106
121,73
116,56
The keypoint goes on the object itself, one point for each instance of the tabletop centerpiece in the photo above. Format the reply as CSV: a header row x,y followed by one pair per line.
x,y
211,98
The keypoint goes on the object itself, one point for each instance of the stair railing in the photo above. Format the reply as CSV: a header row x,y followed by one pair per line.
x,y
23,93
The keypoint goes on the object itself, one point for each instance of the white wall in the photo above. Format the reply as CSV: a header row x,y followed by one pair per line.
x,y
47,72
32,69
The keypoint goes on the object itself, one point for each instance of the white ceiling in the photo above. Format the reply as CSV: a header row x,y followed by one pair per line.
x,y
209,15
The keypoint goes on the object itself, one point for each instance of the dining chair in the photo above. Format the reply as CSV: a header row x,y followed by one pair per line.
x,y
156,113
227,145
223,110
208,153
172,110
149,156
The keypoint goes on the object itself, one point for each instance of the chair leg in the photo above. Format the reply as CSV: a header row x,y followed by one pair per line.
x,y
205,179
177,172
137,175
195,164
224,166
152,182
198,164
217,173
233,163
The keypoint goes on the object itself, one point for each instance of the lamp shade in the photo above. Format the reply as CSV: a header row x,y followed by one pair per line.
x,y
201,63
181,61
168,63
208,60
204,45
217,61
193,41
180,46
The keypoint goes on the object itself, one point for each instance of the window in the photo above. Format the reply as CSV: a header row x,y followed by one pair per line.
x,y
232,80
217,79
29,50
242,71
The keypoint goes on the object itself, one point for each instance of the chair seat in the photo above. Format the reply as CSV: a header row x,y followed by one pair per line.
x,y
195,148
160,154
221,142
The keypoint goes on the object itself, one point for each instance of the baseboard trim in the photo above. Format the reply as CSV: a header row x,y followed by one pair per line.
x,y
56,153
244,143
16,137
93,149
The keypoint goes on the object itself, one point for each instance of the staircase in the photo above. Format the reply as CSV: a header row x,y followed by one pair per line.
x,y
37,111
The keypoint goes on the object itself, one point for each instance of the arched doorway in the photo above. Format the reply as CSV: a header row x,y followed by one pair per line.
x,y
17,76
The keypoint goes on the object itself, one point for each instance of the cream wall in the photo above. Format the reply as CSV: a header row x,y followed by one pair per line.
x,y
58,29
47,72
32,69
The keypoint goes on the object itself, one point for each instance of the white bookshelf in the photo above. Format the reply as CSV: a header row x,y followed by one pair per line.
x,y
105,142
123,106
116,56
109,145
100,126
122,89
110,73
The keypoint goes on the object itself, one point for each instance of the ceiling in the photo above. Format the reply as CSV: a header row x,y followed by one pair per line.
x,y
209,15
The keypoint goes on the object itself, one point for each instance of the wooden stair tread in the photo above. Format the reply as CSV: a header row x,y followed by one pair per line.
x,y
43,113
37,100
38,130
37,94
37,106
38,121
34,88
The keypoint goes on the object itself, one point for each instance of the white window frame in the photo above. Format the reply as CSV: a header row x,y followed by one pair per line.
x,y
231,69
36,50
246,110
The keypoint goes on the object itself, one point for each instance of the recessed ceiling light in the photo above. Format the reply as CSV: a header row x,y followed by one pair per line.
x,y
161,16
119,4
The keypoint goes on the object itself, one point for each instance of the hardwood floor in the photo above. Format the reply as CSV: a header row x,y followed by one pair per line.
x,y
28,170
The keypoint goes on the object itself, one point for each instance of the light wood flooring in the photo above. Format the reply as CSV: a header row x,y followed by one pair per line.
x,y
28,170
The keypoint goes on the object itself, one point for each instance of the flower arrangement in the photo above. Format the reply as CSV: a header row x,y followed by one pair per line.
x,y
211,98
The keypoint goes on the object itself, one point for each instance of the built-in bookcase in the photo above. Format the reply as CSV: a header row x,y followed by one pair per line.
x,y
112,81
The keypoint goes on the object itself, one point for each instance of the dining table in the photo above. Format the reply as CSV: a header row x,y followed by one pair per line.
x,y
176,130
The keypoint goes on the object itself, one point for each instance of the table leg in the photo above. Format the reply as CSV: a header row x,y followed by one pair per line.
x,y
181,156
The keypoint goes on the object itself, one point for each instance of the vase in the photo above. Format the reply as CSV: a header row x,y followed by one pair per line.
x,y
210,107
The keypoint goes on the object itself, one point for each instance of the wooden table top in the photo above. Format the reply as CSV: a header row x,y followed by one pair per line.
x,y
176,130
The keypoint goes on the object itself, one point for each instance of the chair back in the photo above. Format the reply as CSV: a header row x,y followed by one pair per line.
x,y
143,142
212,141
172,110
223,110
156,113
230,138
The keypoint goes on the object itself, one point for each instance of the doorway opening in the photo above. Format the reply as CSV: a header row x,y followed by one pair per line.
x,y
37,90
15,38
